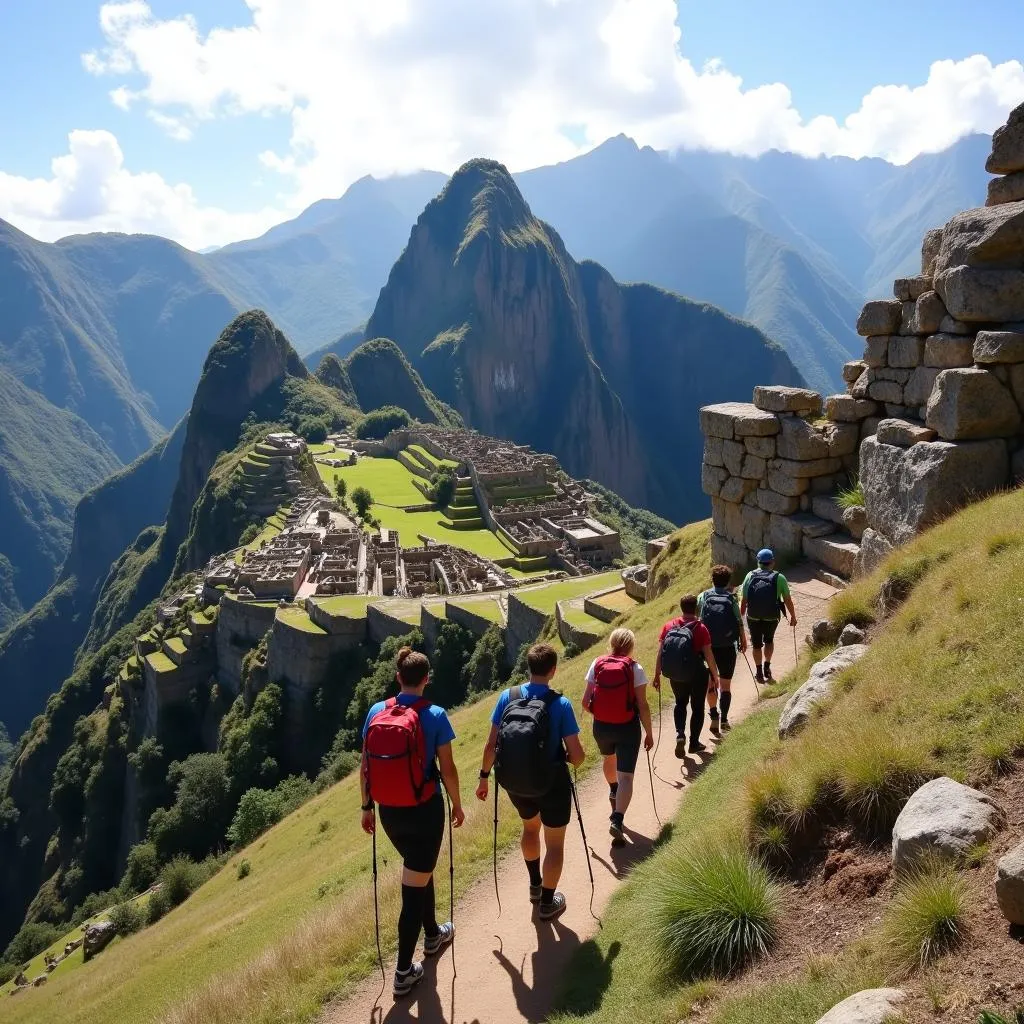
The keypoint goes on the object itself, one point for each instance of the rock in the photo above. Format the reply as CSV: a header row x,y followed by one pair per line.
x,y
1006,190
712,478
802,440
97,937
850,635
855,519
812,525
982,295
999,347
918,389
817,688
39,981
880,316
910,289
1010,885
886,391
780,504
859,388
737,419
909,489
903,433
876,350
732,455
727,552
983,237
847,409
853,369
970,403
776,398
837,553
906,351
1007,154
950,325
872,1006
785,536
922,317
930,246
763,447
755,524
825,507
869,426
806,468
946,351
754,467
823,634
736,488
899,374
945,819
874,549
784,483
713,452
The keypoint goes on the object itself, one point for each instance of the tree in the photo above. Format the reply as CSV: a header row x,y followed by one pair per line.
x,y
362,499
256,812
379,423
314,430
340,488
442,487
141,868
196,822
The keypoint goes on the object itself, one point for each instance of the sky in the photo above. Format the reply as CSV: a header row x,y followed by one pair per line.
x,y
210,120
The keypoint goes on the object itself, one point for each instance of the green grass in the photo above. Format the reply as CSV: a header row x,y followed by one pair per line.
x,y
351,605
851,496
424,458
387,480
298,618
321,449
487,608
545,598
176,644
432,524
582,620
617,601
159,662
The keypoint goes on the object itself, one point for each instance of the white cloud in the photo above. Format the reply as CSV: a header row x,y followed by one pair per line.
x,y
91,190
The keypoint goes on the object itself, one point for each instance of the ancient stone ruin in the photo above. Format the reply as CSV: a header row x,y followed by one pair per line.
x,y
933,416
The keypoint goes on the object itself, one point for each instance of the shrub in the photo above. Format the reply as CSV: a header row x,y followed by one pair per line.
x,y
336,765
127,918
341,488
179,878
141,868
927,917
442,487
715,910
31,939
379,423
244,868
876,775
314,430
362,499
7,971
851,496
157,906
257,811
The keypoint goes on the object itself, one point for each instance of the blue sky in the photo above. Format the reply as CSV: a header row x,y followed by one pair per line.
x,y
204,134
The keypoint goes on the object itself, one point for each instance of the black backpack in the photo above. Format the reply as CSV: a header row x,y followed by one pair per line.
x,y
680,659
719,615
524,765
762,595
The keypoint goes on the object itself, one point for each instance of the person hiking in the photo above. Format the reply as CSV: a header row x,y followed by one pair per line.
x,y
616,695
402,737
719,610
765,591
686,658
533,733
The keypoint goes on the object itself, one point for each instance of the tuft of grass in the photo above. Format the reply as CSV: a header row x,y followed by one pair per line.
x,y
1003,542
244,868
771,844
854,605
927,918
715,910
851,496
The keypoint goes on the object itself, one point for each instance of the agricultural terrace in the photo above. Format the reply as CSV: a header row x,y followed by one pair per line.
x,y
544,599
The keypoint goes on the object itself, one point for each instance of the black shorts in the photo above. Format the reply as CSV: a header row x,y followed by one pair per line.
x,y
554,807
622,740
416,832
725,659
762,632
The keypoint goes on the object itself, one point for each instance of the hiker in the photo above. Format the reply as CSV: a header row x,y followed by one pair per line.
x,y
402,738
765,591
719,610
616,695
686,658
533,734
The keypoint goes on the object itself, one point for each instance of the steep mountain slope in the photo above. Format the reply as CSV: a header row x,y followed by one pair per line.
x,y
525,343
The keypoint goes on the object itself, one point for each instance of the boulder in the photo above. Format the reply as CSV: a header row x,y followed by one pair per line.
x,y
1006,190
906,351
872,1006
855,519
922,316
851,635
837,553
1007,154
853,369
737,419
918,389
817,688
847,409
983,237
1010,885
874,548
971,403
780,504
975,295
909,489
876,350
823,634
777,398
859,388
946,351
999,347
943,819
930,246
950,325
97,937
880,316
910,289
903,433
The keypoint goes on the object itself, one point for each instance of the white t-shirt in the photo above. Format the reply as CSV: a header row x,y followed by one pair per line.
x,y
639,675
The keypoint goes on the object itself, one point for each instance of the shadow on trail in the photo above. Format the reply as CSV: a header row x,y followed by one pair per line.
x,y
421,1006
557,945
591,977
622,859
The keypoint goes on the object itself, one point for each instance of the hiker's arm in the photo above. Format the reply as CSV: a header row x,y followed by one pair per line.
x,y
645,716
369,819
709,657
487,763
574,750
656,681
739,619
450,778
790,609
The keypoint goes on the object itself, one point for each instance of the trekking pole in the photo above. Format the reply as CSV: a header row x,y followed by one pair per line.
x,y
495,855
451,880
796,655
654,802
751,671
376,919
586,847
658,743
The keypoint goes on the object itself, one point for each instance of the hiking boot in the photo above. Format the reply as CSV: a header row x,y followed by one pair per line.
x,y
759,675
406,981
444,937
680,747
725,723
715,729
696,747
535,893
615,831
768,677
549,911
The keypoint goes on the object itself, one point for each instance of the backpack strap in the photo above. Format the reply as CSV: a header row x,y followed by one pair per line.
x,y
550,697
389,703
516,693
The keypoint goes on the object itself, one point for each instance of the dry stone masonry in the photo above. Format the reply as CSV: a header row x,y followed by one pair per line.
x,y
933,414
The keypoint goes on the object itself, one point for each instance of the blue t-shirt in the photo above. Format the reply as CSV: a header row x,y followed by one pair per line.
x,y
437,729
560,714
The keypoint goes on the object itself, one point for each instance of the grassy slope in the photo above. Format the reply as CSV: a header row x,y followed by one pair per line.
x,y
933,692
274,945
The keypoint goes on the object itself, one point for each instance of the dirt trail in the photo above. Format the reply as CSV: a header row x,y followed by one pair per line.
x,y
509,966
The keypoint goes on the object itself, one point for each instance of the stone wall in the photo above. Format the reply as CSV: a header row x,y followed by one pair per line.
x,y
240,626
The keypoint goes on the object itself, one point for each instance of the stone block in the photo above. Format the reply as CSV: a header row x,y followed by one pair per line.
x,y
999,347
922,316
750,498
876,350
755,525
872,1006
777,398
853,369
855,519
903,433
930,246
837,554
823,485
785,536
804,469
727,519
906,351
754,467
1007,154
899,412
879,316
813,526
974,295
1010,885
982,237
727,552
825,507
784,483
712,478
971,403
899,374
947,351
859,388
780,504
909,489
874,548
800,439
869,426
886,391
910,289
843,438
919,388
719,420
1017,467
950,325
736,489
847,409
713,452
764,447
1009,189
732,456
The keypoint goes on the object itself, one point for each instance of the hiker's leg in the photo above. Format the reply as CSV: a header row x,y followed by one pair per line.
x,y
712,696
679,692
554,850
756,640
725,698
627,751
430,928
697,691
625,792
530,843
608,767
410,920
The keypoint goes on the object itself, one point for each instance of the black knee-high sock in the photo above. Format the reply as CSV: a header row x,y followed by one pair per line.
x,y
725,700
430,928
533,866
410,920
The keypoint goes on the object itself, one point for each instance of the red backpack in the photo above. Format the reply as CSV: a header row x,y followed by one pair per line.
x,y
396,755
613,700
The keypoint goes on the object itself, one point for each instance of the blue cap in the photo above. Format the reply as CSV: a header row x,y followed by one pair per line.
x,y
765,555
